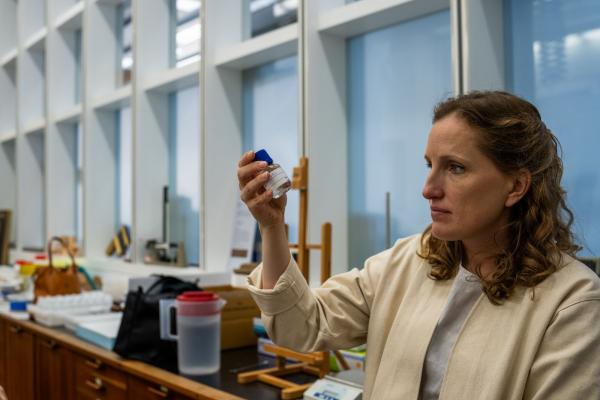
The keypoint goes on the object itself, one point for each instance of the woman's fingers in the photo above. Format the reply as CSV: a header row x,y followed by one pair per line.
x,y
247,158
262,198
247,172
252,188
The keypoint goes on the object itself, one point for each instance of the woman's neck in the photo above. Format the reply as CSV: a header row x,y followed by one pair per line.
x,y
481,255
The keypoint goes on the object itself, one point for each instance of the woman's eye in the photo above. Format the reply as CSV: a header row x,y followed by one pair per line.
x,y
457,169
428,165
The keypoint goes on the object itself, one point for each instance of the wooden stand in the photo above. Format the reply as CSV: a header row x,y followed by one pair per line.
x,y
311,363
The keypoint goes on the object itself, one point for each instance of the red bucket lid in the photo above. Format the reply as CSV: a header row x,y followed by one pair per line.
x,y
198,296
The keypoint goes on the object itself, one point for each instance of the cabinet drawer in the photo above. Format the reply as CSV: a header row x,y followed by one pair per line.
x,y
95,378
90,365
140,389
97,388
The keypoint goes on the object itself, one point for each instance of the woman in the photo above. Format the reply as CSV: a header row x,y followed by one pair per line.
x,y
487,303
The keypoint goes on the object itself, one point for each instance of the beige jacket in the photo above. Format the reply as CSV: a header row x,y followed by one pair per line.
x,y
545,348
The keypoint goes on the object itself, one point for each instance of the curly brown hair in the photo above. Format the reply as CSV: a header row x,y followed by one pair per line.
x,y
512,134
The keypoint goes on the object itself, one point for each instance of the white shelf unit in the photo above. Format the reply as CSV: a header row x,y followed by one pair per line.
x,y
8,98
38,76
262,49
70,116
9,58
8,111
8,136
174,79
364,16
8,179
36,41
69,19
152,57
225,54
102,98
31,192
64,110
31,84
34,126
114,100
31,21
8,31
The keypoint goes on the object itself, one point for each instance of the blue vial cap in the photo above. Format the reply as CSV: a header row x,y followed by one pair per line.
x,y
262,155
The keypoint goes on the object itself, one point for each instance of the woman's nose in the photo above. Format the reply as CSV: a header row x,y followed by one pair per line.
x,y
432,189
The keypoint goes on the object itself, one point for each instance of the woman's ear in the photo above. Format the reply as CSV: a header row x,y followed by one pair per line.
x,y
520,185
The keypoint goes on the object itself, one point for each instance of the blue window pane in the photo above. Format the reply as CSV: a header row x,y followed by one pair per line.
x,y
270,107
184,171
77,55
124,168
395,77
186,31
124,29
78,184
268,15
553,53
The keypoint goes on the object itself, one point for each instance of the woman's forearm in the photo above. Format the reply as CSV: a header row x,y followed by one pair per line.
x,y
275,254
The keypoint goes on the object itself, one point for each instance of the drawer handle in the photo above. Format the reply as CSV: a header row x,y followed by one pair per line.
x,y
162,392
16,329
96,364
96,384
50,344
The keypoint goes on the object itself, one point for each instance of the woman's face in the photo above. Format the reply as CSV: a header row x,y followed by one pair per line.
x,y
468,195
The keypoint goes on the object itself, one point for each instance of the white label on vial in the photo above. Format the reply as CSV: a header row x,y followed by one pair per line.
x,y
277,178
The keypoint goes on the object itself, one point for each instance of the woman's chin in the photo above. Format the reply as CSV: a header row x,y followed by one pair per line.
x,y
443,233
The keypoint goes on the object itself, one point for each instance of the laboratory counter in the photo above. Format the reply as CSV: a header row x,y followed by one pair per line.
x,y
37,362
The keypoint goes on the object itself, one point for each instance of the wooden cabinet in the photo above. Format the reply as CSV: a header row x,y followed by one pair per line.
x,y
2,353
39,363
140,389
53,370
20,363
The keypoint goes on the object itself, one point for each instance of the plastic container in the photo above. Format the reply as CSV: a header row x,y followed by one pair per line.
x,y
278,182
198,316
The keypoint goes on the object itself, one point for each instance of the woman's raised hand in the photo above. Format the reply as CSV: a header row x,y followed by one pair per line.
x,y
252,176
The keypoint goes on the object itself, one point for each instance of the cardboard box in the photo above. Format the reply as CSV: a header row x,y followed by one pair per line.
x,y
236,317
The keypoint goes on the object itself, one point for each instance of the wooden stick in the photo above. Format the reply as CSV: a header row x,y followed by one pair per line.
x,y
296,355
325,251
301,183
308,369
324,367
251,376
340,357
294,393
289,369
280,362
275,381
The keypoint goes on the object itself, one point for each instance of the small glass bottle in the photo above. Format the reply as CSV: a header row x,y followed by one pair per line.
x,y
278,182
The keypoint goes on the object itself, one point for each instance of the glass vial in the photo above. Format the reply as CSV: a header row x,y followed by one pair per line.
x,y
278,182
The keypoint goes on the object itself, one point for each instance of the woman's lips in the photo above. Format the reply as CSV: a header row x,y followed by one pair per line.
x,y
437,213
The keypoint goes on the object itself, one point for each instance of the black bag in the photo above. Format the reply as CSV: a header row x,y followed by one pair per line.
x,y
139,334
